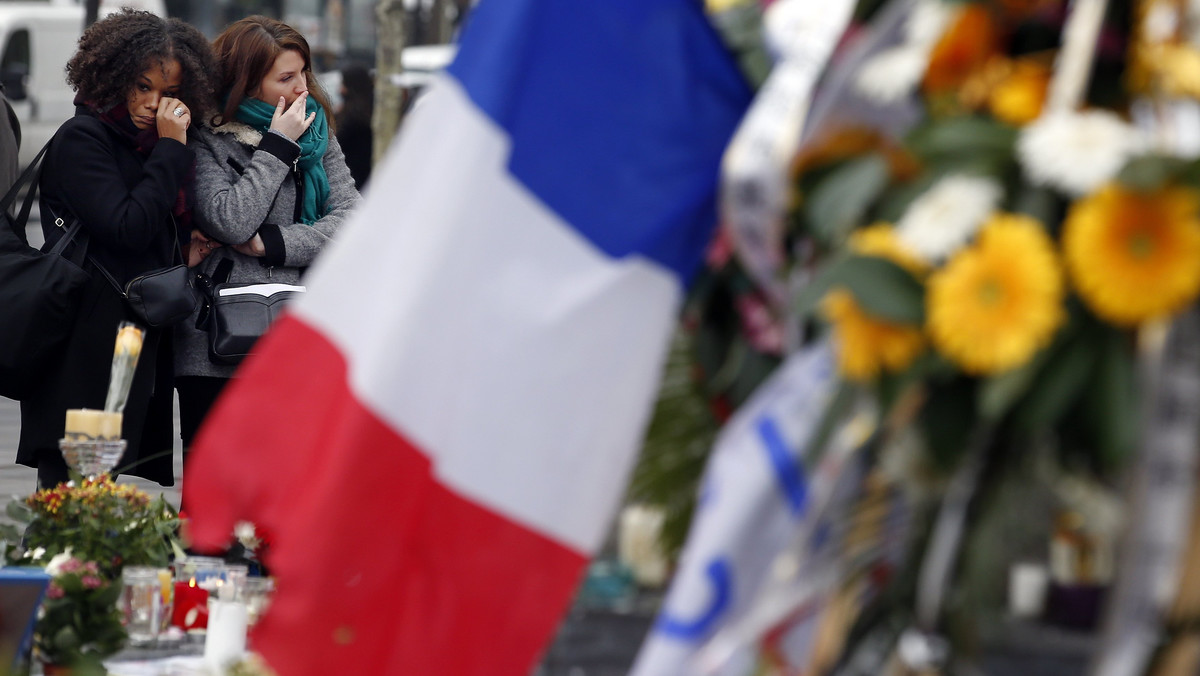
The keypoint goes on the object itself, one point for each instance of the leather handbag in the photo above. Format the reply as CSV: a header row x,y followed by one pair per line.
x,y
239,314
160,297
40,293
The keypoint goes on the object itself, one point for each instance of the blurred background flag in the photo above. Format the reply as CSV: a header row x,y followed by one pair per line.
x,y
438,435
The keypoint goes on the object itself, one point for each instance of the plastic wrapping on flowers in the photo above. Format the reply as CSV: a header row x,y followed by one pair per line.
x,y
988,274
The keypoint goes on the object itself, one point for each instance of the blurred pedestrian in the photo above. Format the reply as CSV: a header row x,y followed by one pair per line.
x,y
271,183
122,166
354,122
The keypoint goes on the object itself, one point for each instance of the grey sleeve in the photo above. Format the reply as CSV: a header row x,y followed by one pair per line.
x,y
233,206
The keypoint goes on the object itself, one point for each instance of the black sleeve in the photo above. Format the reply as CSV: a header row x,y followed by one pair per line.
x,y
280,147
82,168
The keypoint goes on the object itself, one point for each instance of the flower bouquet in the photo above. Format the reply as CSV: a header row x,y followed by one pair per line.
x,y
997,231
79,623
99,520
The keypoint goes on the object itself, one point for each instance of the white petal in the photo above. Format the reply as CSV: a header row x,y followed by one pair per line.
x,y
892,74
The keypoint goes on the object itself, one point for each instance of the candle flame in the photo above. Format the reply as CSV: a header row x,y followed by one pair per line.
x,y
192,582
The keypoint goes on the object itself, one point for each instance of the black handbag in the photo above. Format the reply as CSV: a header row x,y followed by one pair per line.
x,y
40,293
239,314
160,297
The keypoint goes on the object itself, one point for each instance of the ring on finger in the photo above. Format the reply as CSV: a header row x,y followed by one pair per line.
x,y
179,111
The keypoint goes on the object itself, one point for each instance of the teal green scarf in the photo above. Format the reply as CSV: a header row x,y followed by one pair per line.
x,y
313,143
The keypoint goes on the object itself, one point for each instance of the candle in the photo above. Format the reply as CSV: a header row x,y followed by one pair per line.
x,y
85,424
191,606
226,638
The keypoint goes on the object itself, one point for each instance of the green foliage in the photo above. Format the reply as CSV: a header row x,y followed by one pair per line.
x,y
976,144
676,447
98,520
881,288
80,623
838,203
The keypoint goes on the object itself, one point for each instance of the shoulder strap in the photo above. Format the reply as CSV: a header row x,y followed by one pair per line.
x,y
220,274
30,176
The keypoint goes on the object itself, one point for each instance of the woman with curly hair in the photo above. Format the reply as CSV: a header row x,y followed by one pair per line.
x,y
122,166
271,183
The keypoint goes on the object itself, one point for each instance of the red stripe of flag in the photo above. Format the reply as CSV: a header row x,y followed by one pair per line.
x,y
423,580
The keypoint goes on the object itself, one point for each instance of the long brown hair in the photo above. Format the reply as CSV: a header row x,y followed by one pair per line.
x,y
246,50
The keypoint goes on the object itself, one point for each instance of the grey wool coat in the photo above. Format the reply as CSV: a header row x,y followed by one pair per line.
x,y
246,185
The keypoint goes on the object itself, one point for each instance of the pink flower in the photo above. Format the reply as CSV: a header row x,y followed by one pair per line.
x,y
72,566
759,324
91,581
92,567
54,592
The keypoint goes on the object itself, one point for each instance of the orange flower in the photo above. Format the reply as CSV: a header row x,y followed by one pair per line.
x,y
1134,256
1018,98
963,49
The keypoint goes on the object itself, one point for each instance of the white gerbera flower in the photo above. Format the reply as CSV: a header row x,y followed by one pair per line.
x,y
892,74
942,219
37,553
1077,152
55,566
927,21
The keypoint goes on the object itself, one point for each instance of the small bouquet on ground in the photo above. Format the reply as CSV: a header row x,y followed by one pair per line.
x,y
79,624
112,524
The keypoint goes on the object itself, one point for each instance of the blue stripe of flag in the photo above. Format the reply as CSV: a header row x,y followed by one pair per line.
x,y
618,111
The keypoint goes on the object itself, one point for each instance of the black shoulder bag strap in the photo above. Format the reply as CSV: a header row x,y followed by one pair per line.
x,y
30,176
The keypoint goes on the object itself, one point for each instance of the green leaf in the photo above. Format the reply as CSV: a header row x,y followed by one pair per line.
x,y
839,202
999,393
1151,172
948,420
1058,386
881,287
1040,203
66,639
1112,401
966,137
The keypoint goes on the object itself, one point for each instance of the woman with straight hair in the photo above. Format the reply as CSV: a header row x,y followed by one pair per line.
x,y
272,184
122,166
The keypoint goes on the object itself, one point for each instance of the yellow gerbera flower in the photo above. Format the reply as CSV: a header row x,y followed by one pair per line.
x,y
1134,256
880,240
998,301
867,345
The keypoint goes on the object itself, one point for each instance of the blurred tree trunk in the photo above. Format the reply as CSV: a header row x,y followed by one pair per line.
x,y
91,12
389,98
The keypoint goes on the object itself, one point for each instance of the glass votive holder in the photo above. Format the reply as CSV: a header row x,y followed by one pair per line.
x,y
92,457
195,578
235,575
256,594
141,604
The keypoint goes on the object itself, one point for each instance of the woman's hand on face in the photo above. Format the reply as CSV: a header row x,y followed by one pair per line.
x,y
200,247
293,121
171,125
252,247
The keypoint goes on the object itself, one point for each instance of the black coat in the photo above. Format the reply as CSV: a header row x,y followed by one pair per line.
x,y
124,200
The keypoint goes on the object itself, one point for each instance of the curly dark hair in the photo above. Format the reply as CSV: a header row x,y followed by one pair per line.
x,y
116,50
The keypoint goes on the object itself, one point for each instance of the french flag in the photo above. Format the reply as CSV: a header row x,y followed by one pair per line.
x,y
438,434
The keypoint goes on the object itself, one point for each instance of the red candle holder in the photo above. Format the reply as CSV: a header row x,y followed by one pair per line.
x,y
191,606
